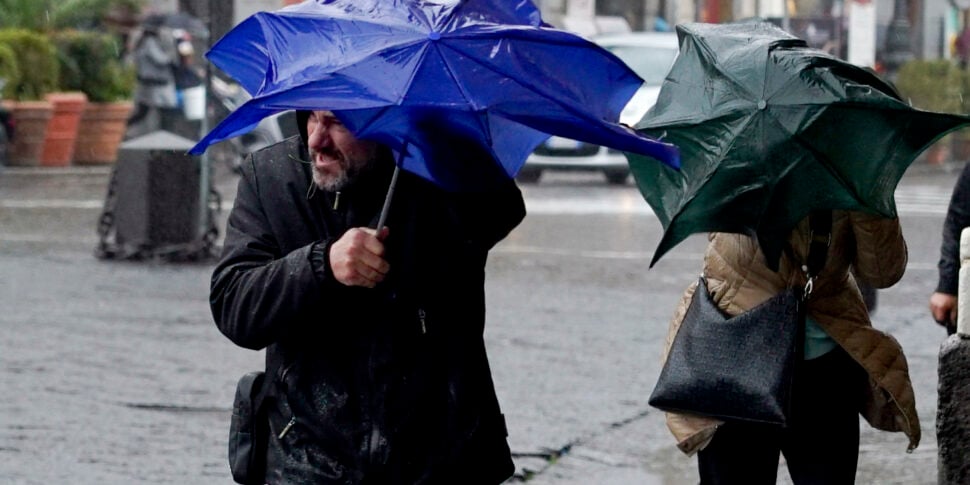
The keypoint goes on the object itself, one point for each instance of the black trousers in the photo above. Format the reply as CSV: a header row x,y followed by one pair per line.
x,y
821,445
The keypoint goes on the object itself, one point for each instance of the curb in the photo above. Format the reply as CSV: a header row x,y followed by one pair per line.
x,y
72,170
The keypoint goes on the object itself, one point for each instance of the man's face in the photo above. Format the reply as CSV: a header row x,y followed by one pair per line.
x,y
337,156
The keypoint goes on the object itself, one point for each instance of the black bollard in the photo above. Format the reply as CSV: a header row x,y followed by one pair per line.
x,y
953,405
154,199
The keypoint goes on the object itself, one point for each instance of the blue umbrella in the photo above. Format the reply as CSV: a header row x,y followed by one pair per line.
x,y
482,71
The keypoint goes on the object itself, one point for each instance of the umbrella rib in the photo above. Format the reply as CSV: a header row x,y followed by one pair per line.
x,y
578,113
764,76
339,72
422,53
464,92
829,164
739,87
707,176
520,82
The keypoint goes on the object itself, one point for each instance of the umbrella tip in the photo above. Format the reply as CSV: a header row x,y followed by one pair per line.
x,y
673,158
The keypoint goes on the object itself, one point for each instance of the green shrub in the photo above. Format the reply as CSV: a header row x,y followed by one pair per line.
x,y
90,63
933,85
88,14
9,71
36,60
49,15
23,14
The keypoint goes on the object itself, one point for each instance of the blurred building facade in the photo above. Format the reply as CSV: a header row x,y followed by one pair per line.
x,y
933,24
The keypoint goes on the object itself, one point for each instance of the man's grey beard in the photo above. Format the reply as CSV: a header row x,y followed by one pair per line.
x,y
350,173
331,184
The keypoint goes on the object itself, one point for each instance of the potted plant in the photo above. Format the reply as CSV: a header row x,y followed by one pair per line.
x,y
68,103
48,17
36,60
933,85
9,75
9,72
54,15
91,65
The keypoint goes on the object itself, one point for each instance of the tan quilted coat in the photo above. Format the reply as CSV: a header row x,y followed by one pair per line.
x,y
870,248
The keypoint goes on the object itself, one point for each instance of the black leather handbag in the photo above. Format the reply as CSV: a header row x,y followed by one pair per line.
x,y
733,368
740,368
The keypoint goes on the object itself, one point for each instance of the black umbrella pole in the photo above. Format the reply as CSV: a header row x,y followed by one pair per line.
x,y
387,199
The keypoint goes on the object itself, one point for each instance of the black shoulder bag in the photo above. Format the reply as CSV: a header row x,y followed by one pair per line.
x,y
249,430
741,368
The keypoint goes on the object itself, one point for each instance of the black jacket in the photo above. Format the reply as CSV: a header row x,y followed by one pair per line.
x,y
957,217
385,385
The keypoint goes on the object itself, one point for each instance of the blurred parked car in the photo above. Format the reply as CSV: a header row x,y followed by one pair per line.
x,y
649,54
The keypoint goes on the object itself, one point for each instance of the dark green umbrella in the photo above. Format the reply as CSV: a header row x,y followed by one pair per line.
x,y
770,129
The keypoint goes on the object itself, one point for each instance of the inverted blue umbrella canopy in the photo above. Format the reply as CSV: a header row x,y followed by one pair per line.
x,y
487,72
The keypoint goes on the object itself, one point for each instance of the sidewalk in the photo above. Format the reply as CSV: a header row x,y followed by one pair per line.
x,y
114,373
118,368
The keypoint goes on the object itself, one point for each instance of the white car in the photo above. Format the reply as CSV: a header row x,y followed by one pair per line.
x,y
650,55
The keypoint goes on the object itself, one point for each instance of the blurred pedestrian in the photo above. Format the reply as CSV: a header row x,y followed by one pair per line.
x,y
943,302
189,88
848,367
187,74
962,47
374,345
155,97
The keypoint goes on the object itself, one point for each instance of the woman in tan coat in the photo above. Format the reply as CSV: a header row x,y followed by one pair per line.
x,y
848,367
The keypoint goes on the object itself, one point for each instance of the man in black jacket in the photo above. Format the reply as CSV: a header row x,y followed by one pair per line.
x,y
374,342
943,302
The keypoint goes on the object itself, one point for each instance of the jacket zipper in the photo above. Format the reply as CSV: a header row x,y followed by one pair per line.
x,y
375,441
289,425
286,429
421,318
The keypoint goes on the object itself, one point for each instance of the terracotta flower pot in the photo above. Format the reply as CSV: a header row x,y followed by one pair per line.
x,y
31,119
101,132
62,129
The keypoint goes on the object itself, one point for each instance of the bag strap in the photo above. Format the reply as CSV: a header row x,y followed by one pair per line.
x,y
820,239
261,394
266,386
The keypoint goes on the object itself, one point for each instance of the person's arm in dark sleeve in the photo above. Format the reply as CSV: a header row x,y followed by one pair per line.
x,y
258,294
943,302
957,217
493,206
487,202
490,216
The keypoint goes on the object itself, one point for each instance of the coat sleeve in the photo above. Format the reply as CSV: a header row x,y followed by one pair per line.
x,y
258,294
881,253
499,214
490,203
155,53
488,217
957,217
